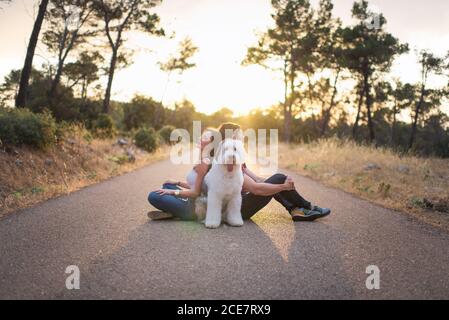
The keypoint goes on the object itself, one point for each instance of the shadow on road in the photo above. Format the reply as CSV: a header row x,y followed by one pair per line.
x,y
269,258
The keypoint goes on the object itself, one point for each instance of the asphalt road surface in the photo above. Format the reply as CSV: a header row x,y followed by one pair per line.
x,y
104,230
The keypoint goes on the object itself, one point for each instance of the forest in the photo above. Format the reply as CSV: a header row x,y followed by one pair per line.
x,y
337,78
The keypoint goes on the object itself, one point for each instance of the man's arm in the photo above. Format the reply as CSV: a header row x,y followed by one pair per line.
x,y
252,175
266,189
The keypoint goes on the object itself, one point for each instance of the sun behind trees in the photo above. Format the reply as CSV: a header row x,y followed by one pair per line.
x,y
337,78
314,53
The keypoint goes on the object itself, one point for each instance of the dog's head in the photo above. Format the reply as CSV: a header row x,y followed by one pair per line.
x,y
230,154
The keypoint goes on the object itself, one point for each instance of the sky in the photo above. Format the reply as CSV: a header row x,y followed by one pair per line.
x,y
223,30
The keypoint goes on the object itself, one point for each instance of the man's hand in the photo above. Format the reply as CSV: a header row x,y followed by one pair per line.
x,y
289,184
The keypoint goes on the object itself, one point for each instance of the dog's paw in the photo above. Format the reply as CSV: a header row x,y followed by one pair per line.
x,y
236,221
212,224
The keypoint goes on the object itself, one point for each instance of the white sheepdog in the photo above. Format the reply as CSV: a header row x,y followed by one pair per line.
x,y
224,184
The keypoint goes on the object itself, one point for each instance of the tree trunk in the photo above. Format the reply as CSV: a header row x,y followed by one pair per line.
x,y
415,119
368,110
63,53
287,124
393,125
326,119
107,98
56,80
327,115
289,107
287,116
359,111
84,89
21,99
372,135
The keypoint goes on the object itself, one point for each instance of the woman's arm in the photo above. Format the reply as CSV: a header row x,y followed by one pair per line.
x,y
181,184
266,189
201,171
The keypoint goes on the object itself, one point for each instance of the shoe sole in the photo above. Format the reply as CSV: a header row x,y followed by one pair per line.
x,y
307,219
159,215
326,214
311,218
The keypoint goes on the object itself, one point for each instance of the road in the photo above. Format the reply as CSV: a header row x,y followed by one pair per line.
x,y
103,229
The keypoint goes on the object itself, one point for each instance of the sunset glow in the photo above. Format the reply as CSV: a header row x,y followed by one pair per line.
x,y
223,30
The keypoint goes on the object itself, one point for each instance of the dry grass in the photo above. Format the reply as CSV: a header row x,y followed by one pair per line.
x,y
419,186
29,176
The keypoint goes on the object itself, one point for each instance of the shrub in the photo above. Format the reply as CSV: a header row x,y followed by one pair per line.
x,y
143,111
146,139
103,127
165,133
65,129
23,127
122,159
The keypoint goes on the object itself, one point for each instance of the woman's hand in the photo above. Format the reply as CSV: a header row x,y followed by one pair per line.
x,y
289,184
163,192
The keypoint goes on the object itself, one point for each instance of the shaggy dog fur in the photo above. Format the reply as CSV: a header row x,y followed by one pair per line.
x,y
224,184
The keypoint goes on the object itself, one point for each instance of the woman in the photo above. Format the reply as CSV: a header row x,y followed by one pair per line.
x,y
177,199
257,192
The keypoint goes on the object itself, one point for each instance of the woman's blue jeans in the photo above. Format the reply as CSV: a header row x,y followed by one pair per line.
x,y
180,207
251,204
